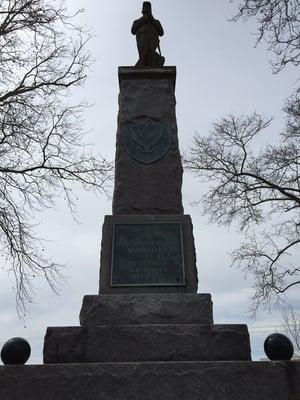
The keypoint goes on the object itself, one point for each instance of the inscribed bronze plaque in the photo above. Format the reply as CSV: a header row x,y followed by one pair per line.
x,y
146,142
147,254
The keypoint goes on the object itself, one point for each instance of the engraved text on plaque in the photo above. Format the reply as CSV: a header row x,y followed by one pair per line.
x,y
147,254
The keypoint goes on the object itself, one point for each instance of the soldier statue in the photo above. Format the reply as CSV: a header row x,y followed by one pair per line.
x,y
147,31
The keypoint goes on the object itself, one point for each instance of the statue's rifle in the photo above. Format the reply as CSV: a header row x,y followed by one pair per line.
x,y
158,47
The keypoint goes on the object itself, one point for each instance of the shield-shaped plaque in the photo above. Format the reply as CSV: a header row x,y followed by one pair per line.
x,y
146,142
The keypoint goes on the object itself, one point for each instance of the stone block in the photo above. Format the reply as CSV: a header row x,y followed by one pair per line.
x,y
73,340
131,343
147,97
133,73
171,308
190,283
153,381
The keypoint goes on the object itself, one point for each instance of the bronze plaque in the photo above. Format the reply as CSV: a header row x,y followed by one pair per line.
x,y
146,142
147,254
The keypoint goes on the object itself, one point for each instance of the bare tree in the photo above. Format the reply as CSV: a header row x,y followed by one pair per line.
x,y
278,25
291,320
43,55
255,189
263,188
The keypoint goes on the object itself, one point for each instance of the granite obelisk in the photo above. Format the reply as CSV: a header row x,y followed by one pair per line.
x,y
148,166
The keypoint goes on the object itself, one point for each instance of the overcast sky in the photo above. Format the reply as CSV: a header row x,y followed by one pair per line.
x,y
218,72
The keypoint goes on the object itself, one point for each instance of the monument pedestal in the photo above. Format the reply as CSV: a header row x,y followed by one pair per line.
x,y
148,254
147,309
148,334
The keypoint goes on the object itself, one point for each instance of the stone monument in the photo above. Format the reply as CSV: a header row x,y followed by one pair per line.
x,y
148,275
148,334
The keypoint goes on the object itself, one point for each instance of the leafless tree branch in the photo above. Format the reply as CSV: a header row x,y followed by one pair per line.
x,y
43,55
255,189
291,320
278,25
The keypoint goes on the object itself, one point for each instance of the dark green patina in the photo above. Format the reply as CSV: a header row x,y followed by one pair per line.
x,y
146,142
147,254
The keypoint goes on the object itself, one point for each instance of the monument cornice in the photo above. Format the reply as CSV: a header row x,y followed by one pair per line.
x,y
126,73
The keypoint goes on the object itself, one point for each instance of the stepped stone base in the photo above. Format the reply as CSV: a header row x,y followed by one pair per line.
x,y
146,309
129,343
153,381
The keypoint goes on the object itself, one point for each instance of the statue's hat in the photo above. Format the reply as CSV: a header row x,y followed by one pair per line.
x,y
147,7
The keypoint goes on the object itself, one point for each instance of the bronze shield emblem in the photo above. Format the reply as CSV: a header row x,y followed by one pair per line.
x,y
146,142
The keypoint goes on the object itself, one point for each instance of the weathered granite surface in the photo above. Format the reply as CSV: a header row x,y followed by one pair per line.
x,y
132,73
153,381
127,343
171,308
188,253
147,188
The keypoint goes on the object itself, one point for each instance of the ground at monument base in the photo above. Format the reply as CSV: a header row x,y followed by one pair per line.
x,y
152,381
